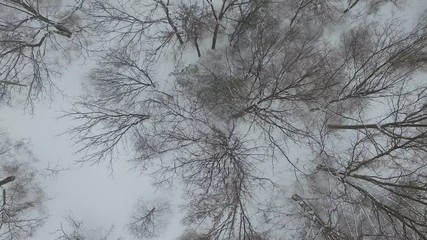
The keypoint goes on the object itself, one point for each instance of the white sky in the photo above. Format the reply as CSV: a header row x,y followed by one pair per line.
x,y
90,192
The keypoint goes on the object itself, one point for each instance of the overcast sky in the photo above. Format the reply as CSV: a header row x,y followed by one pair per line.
x,y
90,193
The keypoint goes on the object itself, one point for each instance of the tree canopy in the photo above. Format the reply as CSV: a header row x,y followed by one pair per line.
x,y
288,119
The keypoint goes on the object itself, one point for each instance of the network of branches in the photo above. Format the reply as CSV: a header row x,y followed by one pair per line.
x,y
288,119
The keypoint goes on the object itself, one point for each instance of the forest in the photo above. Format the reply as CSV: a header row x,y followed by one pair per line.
x,y
273,119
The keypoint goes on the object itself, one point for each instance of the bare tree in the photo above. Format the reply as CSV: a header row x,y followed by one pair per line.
x,y
376,186
166,24
22,204
30,32
221,125
75,230
148,221
372,6
192,235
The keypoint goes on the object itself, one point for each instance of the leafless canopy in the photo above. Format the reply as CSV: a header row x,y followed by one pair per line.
x,y
250,82
30,33
22,198
75,229
148,221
